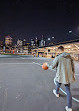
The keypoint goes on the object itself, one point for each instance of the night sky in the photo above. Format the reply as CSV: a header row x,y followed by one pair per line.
x,y
30,18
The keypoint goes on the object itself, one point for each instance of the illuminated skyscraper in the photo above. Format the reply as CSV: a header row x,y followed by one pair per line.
x,y
24,42
32,42
19,46
19,43
8,41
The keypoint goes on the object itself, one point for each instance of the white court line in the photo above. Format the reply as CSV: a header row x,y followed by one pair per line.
x,y
60,88
66,93
77,74
31,63
51,69
15,63
37,63
23,58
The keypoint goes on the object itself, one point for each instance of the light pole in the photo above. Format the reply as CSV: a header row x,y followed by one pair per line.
x,y
71,32
53,37
50,39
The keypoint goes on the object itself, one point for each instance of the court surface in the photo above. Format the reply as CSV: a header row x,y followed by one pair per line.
x,y
25,86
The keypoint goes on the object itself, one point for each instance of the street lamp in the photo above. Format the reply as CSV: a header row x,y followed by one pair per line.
x,y
71,32
48,38
51,37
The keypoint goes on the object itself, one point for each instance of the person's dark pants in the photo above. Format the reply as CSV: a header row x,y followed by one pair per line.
x,y
69,97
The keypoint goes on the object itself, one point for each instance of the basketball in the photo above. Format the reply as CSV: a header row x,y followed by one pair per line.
x,y
44,66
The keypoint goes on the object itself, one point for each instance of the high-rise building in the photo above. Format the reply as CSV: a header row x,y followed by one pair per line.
x,y
26,49
8,41
19,43
32,42
24,42
42,42
1,45
19,46
36,40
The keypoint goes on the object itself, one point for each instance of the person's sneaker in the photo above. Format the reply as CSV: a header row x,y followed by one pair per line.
x,y
68,109
54,91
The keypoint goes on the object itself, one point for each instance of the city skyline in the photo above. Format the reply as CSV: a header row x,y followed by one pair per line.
x,y
26,19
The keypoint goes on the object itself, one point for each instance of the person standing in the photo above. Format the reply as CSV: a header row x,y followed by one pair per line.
x,y
65,74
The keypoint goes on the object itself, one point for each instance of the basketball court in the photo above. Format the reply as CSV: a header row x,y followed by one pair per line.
x,y
25,86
